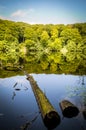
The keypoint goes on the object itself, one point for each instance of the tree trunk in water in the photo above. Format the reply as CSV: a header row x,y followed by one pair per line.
x,y
68,109
49,115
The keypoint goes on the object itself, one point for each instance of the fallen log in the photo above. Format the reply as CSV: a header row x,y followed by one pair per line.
x,y
68,109
49,115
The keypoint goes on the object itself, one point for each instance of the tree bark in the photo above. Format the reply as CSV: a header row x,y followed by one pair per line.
x,y
68,109
49,115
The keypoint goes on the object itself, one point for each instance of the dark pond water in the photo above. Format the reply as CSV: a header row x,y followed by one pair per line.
x,y
18,105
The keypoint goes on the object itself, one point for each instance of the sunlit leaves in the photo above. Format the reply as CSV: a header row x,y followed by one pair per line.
x,y
9,52
44,38
71,46
55,45
30,34
54,33
54,57
71,34
19,42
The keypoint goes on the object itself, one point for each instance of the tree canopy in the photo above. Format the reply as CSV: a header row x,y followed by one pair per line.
x,y
18,39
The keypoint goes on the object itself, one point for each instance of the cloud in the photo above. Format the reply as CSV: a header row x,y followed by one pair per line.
x,y
22,13
2,17
29,15
19,13
31,10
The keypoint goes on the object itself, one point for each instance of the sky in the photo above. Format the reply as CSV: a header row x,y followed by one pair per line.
x,y
44,11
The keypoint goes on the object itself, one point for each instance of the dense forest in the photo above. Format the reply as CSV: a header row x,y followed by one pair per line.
x,y
18,40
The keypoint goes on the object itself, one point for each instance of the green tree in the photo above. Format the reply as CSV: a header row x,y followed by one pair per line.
x,y
54,33
56,45
44,38
9,52
70,34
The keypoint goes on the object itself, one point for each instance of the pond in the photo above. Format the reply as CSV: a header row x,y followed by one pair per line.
x,y
58,79
19,106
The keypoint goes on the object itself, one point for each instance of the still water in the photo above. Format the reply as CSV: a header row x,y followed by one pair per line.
x,y
18,105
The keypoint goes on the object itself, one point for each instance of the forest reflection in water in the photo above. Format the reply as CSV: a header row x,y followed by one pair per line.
x,y
48,62
57,76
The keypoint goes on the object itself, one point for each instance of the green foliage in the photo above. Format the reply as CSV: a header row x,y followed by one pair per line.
x,y
71,46
55,45
44,38
54,33
8,52
44,64
18,39
54,57
29,33
53,67
82,28
70,34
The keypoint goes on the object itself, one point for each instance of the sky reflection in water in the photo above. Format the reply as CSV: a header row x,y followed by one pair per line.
x,y
18,104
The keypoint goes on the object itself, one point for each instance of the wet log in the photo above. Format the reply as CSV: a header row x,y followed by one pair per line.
x,y
49,115
69,110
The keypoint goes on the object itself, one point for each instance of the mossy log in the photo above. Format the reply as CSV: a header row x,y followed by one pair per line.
x,y
68,109
49,115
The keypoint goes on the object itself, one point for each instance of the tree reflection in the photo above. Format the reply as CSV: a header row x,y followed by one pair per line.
x,y
72,62
29,123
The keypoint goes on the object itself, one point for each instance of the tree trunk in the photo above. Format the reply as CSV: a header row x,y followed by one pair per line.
x,y
68,109
49,115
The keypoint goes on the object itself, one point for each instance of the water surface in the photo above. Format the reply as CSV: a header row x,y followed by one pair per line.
x,y
19,106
